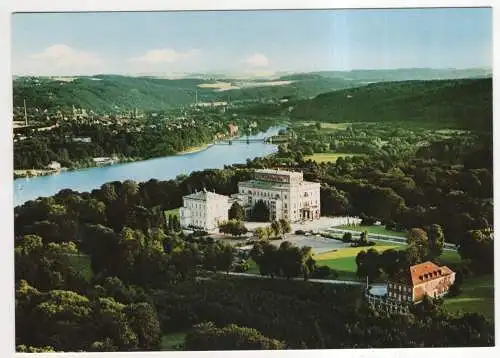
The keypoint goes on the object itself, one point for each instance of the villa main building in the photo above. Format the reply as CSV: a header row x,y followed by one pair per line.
x,y
286,194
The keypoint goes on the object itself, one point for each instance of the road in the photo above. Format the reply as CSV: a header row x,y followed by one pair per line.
x,y
315,280
389,238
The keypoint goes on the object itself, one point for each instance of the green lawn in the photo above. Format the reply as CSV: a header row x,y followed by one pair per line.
x,y
327,157
372,229
477,296
343,260
81,263
345,267
252,266
449,258
170,342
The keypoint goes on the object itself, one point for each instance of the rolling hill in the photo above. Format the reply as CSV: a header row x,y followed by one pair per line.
x,y
466,103
108,93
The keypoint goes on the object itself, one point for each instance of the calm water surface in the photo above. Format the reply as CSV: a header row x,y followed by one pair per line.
x,y
159,168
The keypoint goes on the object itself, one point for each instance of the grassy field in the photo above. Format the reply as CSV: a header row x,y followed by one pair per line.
x,y
343,260
339,126
477,296
372,229
169,342
327,157
81,263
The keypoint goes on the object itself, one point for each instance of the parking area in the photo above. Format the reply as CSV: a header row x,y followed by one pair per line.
x,y
318,244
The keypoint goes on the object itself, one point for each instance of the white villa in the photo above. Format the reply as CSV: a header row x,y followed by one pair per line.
x,y
54,166
286,194
204,210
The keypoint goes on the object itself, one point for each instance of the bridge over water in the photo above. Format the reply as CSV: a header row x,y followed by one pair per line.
x,y
244,140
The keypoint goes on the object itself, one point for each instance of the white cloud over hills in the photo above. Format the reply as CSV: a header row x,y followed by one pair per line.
x,y
59,59
257,60
165,55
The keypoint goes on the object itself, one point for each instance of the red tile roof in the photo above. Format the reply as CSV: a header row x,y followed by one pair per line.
x,y
427,271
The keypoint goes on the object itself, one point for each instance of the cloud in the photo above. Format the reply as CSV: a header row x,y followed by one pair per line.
x,y
166,55
257,60
65,56
59,60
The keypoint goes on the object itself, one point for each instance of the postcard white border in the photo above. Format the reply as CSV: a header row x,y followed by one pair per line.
x,y
6,239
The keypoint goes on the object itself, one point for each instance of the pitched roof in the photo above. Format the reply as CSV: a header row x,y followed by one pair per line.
x,y
427,271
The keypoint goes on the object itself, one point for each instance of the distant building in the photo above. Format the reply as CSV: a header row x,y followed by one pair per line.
x,y
82,139
211,104
233,129
105,160
54,166
204,210
286,193
425,279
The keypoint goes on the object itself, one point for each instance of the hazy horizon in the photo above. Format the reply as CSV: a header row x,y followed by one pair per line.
x,y
243,75
250,42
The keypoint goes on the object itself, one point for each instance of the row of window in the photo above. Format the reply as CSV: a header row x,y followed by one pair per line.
x,y
399,297
263,193
400,287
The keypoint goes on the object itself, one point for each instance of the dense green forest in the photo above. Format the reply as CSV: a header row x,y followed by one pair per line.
x,y
466,103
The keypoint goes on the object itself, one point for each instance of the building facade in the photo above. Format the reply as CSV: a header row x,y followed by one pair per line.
x,y
285,193
204,210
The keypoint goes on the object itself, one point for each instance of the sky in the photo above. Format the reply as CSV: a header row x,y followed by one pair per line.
x,y
249,42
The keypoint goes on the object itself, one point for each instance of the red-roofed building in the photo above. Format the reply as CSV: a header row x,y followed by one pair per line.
x,y
412,286
423,279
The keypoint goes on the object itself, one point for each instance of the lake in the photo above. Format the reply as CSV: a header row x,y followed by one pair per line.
x,y
164,168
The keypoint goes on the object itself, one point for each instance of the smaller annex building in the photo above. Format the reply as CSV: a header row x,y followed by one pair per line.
x,y
203,210
425,279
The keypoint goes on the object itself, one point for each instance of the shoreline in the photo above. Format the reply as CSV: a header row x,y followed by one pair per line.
x,y
195,149
23,173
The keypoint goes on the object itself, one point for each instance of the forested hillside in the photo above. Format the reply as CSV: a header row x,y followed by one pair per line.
x,y
107,93
406,74
465,103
